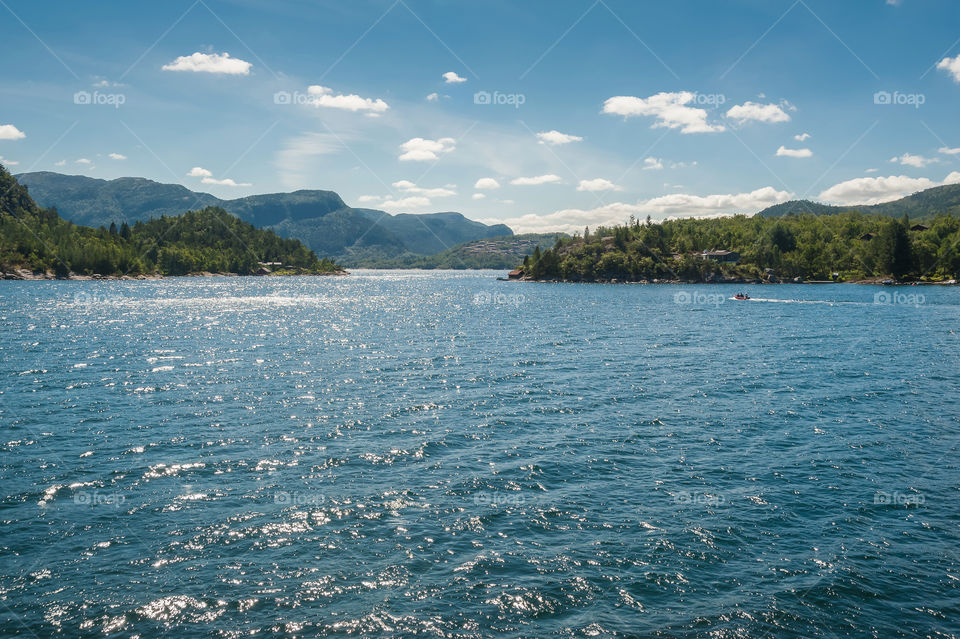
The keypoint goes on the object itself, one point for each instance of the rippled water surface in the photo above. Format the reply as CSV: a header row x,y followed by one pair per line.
x,y
442,454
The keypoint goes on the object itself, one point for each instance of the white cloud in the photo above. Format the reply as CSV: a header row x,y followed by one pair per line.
x,y
534,181
409,187
324,97
948,151
679,204
555,138
881,189
478,196
60,163
871,170
598,184
803,137
422,150
451,77
794,153
8,162
951,66
10,132
669,109
209,63
368,199
224,182
917,161
117,156
406,204
486,183
199,171
433,97
757,112
83,161
652,164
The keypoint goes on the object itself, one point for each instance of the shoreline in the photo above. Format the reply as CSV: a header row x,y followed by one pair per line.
x,y
26,275
868,282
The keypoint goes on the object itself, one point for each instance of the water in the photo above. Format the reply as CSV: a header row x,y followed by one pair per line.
x,y
442,454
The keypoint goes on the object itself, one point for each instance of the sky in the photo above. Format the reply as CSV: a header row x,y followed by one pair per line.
x,y
544,115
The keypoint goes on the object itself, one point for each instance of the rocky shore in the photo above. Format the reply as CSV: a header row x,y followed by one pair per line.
x,y
28,275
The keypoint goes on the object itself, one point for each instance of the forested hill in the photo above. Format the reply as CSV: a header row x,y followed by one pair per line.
x,y
841,247
921,206
320,219
209,240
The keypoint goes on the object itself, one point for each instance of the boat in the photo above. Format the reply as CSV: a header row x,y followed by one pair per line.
x,y
741,296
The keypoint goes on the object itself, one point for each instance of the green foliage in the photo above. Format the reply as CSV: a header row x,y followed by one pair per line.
x,y
207,240
805,246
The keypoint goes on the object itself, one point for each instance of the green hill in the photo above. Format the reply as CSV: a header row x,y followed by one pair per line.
x,y
922,206
841,247
212,240
321,219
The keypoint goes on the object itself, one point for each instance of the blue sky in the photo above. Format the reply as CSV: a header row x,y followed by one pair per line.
x,y
597,109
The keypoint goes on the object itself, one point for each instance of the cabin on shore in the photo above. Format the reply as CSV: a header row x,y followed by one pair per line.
x,y
515,275
723,256
919,227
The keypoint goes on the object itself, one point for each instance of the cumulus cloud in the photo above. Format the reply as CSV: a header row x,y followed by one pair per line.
x,y
486,183
409,187
117,156
478,196
803,137
794,153
7,162
450,77
324,97
83,161
224,182
598,184
674,205
199,171
669,109
60,163
368,199
10,132
948,151
406,204
555,138
917,161
757,112
652,164
422,150
433,97
951,66
220,63
534,181
881,189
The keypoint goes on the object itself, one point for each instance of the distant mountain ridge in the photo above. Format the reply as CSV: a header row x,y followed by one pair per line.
x,y
921,206
320,219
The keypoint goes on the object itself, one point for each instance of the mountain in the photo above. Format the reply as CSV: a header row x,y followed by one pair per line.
x,y
496,253
921,206
320,219
37,240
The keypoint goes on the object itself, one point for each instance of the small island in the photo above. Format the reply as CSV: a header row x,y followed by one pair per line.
x,y
841,247
37,243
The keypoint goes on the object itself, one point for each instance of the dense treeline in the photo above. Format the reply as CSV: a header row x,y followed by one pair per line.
x,y
209,240
842,247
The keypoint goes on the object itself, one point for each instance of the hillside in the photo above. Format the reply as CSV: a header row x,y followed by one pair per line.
x,y
496,253
320,219
843,247
37,240
921,207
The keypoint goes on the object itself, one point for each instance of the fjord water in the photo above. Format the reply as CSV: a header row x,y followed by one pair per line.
x,y
402,452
